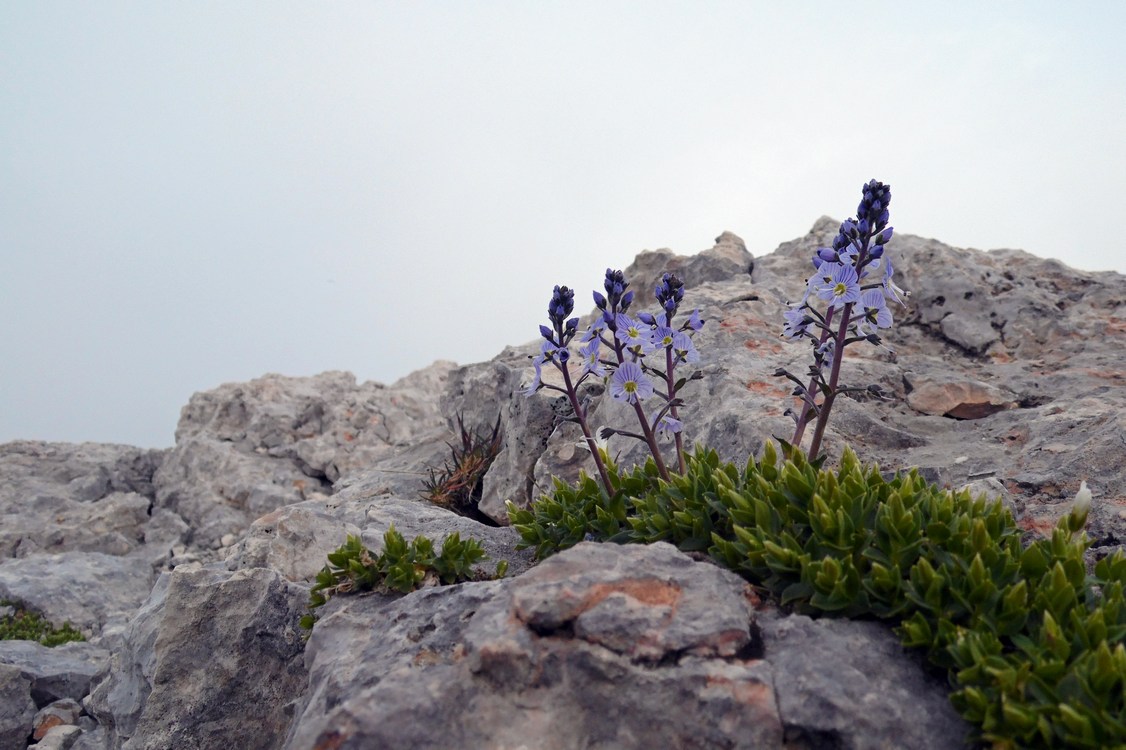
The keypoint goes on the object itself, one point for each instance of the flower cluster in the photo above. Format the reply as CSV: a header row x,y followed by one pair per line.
x,y
635,355
854,280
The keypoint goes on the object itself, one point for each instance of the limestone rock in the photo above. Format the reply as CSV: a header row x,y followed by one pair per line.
x,y
215,661
963,399
591,649
59,497
844,683
59,713
96,593
17,709
60,737
56,673
244,450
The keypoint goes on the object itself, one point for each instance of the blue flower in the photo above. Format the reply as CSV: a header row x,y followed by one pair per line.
x,y
890,288
797,322
827,351
667,425
591,363
629,384
843,287
683,349
662,337
633,334
595,330
876,310
536,383
694,321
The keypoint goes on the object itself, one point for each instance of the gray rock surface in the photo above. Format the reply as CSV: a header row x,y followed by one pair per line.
x,y
17,709
88,497
1004,375
96,593
1039,404
56,673
542,660
217,657
843,683
246,449
63,712
60,737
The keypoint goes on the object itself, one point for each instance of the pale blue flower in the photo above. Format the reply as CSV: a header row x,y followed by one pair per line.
x,y
633,334
629,384
591,363
842,288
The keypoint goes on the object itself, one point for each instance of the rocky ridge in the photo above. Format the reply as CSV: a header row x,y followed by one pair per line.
x,y
188,569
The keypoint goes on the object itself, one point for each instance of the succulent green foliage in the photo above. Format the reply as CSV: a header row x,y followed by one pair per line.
x,y
573,513
1035,647
24,625
401,567
458,484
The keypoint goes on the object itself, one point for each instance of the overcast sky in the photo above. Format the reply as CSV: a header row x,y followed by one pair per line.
x,y
195,193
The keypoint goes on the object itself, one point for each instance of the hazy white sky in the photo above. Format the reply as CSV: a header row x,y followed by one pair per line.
x,y
204,192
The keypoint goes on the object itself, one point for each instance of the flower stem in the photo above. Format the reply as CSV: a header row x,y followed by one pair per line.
x,y
834,374
573,397
671,381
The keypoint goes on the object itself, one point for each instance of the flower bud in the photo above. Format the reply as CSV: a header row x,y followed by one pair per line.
x,y
599,301
1079,509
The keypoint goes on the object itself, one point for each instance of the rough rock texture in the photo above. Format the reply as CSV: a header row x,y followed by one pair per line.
x,y
17,709
1003,366
59,673
90,590
60,498
245,449
541,661
218,657
188,568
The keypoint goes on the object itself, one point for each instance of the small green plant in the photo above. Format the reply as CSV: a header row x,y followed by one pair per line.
x,y
25,625
1035,647
458,484
401,567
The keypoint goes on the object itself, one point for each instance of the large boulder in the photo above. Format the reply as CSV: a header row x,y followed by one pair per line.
x,y
60,497
246,449
214,659
609,646
96,593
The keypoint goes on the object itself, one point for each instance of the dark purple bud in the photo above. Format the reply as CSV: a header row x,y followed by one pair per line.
x,y
883,236
615,283
876,252
647,319
863,227
562,302
610,320
562,355
547,333
599,301
828,255
627,299
572,326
